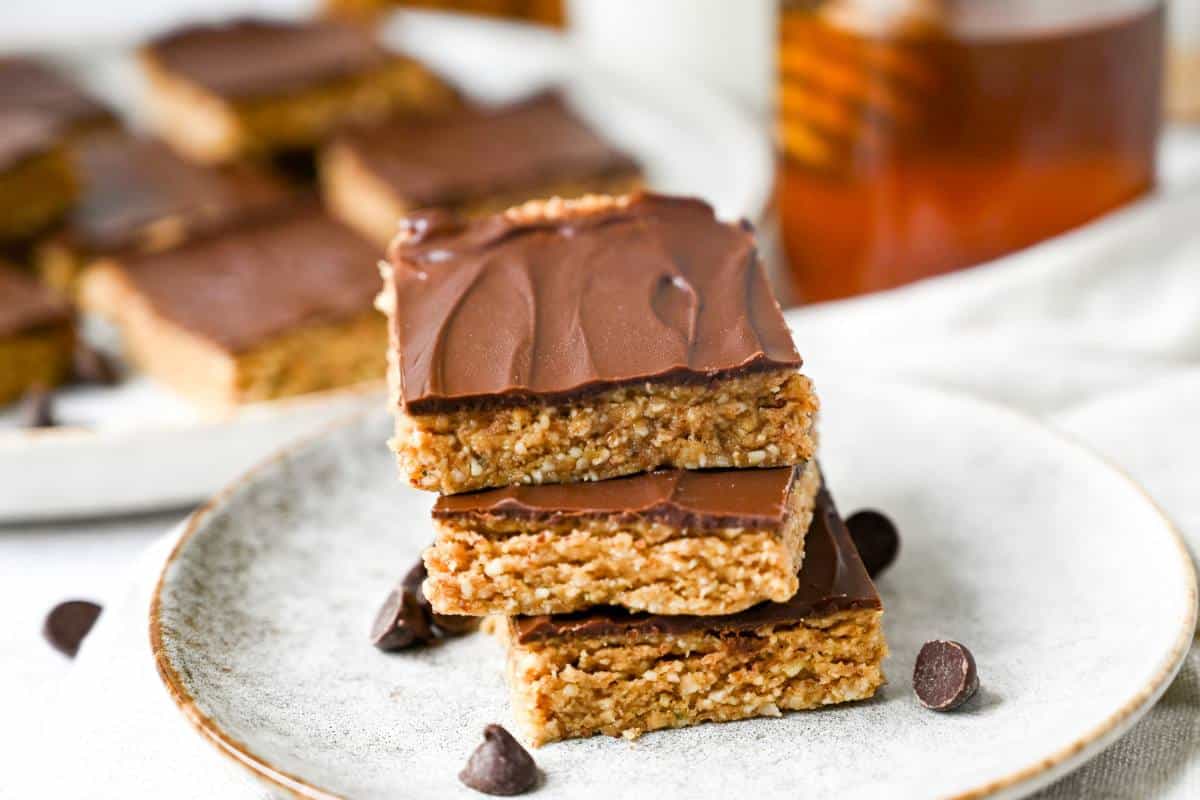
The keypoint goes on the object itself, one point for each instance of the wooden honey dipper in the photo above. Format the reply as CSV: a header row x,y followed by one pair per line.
x,y
850,82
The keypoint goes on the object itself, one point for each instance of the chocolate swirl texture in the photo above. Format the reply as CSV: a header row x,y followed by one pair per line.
x,y
743,498
561,305
832,578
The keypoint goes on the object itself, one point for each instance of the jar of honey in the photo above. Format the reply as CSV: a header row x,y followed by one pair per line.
x,y
919,137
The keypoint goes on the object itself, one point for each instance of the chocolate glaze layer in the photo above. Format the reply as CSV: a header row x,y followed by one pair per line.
x,y
129,183
23,135
31,86
493,309
832,579
734,498
26,305
252,58
247,285
479,152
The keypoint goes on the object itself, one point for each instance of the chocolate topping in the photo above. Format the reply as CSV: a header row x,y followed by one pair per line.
x,y
736,498
496,309
250,284
832,578
26,305
23,135
251,58
480,152
26,84
133,186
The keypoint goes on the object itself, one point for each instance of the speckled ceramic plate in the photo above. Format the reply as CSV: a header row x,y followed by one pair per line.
x,y
137,447
1074,592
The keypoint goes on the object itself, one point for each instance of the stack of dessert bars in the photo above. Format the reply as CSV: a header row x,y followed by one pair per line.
x,y
606,395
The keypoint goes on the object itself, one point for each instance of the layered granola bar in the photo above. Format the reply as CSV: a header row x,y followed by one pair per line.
x,y
618,673
258,87
583,340
477,161
670,542
272,309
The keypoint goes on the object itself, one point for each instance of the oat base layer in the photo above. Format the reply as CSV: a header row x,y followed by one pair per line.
x,y
34,194
760,419
629,685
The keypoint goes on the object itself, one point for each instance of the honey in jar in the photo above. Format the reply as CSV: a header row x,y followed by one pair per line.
x,y
918,137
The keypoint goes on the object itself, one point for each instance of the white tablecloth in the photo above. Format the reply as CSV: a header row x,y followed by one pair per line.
x,y
1099,333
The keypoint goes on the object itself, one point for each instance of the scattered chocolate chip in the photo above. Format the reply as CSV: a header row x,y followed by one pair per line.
x,y
401,622
876,538
68,624
89,365
407,619
39,408
945,676
446,624
500,765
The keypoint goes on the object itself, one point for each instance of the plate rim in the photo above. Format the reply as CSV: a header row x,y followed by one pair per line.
x,y
1021,782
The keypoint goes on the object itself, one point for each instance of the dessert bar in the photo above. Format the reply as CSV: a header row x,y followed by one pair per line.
x,y
258,87
37,335
619,673
272,309
582,340
476,161
138,196
669,542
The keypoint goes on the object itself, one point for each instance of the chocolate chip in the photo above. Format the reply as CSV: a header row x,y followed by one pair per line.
x,y
89,365
500,765
401,622
446,624
68,624
945,676
38,409
876,538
